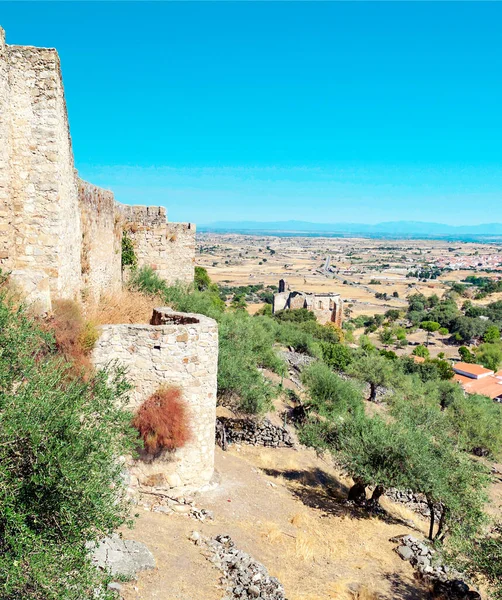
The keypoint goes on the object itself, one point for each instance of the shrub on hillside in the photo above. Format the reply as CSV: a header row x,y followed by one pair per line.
x,y
297,315
421,351
477,421
61,482
202,280
75,337
329,394
162,421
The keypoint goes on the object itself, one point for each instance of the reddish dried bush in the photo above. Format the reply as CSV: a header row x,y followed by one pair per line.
x,y
74,336
162,421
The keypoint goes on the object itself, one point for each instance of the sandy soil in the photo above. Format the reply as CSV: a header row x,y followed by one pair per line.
x,y
285,508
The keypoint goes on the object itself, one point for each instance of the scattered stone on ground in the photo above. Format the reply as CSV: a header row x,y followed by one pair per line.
x,y
168,505
296,360
244,577
446,583
257,432
122,557
416,502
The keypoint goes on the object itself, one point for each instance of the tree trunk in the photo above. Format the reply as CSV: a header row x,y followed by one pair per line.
x,y
375,497
357,492
373,390
440,533
432,518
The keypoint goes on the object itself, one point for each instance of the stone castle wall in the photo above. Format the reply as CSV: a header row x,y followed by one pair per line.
x,y
101,244
168,248
182,351
60,236
39,205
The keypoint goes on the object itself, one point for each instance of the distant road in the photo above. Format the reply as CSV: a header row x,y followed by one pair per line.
x,y
330,275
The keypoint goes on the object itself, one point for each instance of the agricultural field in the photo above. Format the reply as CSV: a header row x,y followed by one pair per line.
x,y
371,275
358,268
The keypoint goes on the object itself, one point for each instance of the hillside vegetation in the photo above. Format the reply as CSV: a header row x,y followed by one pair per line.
x,y
423,442
63,428
61,434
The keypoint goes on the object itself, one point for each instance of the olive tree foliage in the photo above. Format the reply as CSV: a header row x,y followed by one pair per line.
x,y
490,355
60,476
453,483
482,559
417,449
373,369
329,394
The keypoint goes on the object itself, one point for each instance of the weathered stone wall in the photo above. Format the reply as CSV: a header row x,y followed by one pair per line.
x,y
60,236
258,432
168,248
39,204
6,215
326,307
149,216
101,266
183,352
280,301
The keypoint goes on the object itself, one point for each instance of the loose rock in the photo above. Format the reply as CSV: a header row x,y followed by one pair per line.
x,y
244,577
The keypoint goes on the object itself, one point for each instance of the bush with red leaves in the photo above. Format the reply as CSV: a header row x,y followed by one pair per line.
x,y
162,421
74,336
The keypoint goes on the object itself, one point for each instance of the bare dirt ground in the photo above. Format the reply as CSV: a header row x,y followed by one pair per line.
x,y
285,508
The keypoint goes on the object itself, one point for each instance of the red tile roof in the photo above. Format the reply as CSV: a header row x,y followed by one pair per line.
x,y
475,371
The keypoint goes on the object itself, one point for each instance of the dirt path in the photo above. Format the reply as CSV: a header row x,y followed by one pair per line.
x,y
284,508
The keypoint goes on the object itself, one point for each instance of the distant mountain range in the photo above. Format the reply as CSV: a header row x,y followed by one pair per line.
x,y
393,228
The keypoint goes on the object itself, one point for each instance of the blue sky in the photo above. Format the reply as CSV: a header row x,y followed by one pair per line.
x,y
328,111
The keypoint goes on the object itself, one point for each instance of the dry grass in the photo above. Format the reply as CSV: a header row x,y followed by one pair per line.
x,y
122,307
317,548
74,337
400,511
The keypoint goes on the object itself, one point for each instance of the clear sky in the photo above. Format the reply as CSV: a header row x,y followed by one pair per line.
x,y
327,112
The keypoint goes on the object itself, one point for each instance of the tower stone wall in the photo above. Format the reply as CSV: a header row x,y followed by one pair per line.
x,y
168,248
180,350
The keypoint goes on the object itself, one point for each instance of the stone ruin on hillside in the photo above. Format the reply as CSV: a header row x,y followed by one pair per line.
x,y
60,237
177,349
326,307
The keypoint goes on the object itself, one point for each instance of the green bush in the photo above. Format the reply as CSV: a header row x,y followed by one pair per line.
x,y
297,315
421,351
477,421
129,258
201,279
60,478
329,394
337,356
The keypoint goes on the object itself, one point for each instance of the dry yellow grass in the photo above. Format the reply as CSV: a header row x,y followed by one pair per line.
x,y
125,306
343,590
400,511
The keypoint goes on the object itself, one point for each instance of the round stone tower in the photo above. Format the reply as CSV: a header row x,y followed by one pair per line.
x,y
180,350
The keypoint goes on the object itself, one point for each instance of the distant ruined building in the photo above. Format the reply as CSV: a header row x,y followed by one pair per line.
x,y
60,236
326,307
